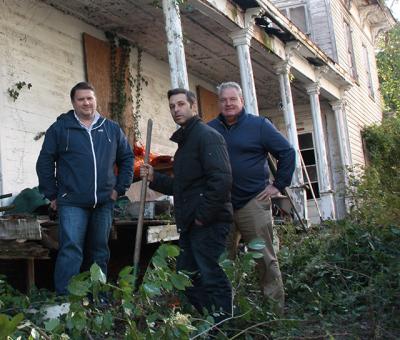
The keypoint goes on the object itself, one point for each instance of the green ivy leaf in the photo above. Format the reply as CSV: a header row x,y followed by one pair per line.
x,y
172,251
151,289
179,281
158,261
257,244
51,324
108,320
96,274
167,285
256,255
78,288
9,325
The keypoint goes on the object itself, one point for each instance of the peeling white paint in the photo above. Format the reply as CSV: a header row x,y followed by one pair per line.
x,y
327,204
176,50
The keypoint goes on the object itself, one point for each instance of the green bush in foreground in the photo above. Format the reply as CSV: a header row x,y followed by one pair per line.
x,y
342,281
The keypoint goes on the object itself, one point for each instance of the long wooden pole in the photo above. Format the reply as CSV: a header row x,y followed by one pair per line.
x,y
139,229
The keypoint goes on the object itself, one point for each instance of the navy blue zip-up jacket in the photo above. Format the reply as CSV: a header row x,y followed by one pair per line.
x,y
77,168
249,140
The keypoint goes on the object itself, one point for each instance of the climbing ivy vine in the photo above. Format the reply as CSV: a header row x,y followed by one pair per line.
x,y
121,94
15,90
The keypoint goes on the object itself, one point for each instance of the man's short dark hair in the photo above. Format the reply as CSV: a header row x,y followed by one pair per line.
x,y
190,96
81,86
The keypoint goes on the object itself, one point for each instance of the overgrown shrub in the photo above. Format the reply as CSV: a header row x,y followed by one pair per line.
x,y
375,189
343,280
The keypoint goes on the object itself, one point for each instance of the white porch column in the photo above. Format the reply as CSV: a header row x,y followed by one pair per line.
x,y
344,147
299,194
176,51
327,205
241,40
341,127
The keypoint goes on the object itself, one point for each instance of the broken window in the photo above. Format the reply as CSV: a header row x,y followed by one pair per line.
x,y
306,145
298,15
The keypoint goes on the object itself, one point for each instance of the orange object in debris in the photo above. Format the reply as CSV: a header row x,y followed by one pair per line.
x,y
157,161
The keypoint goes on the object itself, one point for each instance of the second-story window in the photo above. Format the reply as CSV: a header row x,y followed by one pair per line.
x,y
298,15
368,71
350,50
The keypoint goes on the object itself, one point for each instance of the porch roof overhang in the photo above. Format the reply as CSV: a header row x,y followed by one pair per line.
x,y
209,51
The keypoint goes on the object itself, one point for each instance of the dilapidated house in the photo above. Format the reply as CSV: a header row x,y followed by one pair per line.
x,y
308,65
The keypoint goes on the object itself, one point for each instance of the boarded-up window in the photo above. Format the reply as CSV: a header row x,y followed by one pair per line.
x,y
97,58
98,72
208,104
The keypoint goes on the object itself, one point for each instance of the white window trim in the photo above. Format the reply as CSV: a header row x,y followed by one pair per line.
x,y
315,164
370,84
350,59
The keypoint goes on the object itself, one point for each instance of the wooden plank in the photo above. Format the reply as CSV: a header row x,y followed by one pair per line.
x,y
98,70
162,233
208,104
21,228
16,250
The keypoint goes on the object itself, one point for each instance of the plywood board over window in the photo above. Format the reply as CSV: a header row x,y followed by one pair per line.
x,y
98,72
208,104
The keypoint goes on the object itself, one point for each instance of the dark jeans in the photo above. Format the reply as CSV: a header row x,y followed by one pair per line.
x,y
83,238
201,248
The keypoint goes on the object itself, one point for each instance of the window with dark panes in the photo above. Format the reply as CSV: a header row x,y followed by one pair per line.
x,y
306,145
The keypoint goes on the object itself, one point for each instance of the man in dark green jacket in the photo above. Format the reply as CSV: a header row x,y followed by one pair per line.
x,y
203,212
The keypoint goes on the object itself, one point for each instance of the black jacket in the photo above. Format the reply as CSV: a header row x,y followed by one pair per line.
x,y
202,176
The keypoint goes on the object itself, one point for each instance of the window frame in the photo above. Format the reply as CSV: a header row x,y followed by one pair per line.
x,y
370,84
314,184
351,60
287,9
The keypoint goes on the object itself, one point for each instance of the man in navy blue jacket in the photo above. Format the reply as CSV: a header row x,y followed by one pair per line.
x,y
250,138
76,173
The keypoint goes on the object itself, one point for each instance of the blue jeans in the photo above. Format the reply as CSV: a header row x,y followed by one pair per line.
x,y
201,247
83,240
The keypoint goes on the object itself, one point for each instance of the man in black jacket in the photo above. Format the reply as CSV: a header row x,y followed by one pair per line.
x,y
203,211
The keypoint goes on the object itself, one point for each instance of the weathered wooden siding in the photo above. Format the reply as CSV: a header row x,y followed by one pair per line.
x,y
43,46
361,109
319,21
38,45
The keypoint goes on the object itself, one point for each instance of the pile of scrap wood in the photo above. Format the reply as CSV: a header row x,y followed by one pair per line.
x,y
19,235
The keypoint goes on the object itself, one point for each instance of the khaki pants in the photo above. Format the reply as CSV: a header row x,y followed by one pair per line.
x,y
252,221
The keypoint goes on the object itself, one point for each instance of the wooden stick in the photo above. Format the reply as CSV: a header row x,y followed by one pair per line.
x,y
311,188
139,229
274,171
